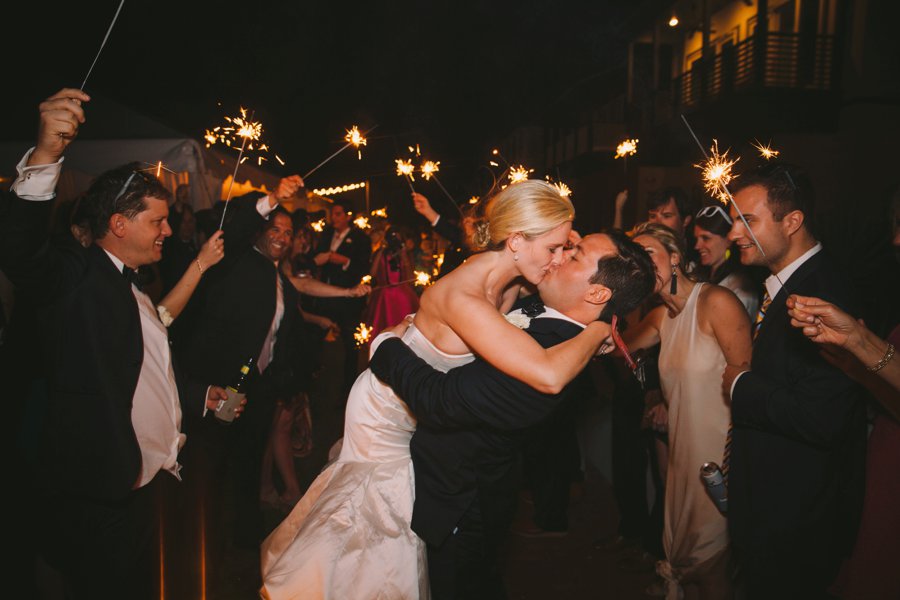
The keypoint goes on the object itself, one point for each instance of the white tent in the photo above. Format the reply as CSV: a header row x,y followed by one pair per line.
x,y
114,135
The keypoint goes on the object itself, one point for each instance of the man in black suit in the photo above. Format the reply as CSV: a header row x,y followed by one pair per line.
x,y
245,309
472,419
111,430
343,255
797,446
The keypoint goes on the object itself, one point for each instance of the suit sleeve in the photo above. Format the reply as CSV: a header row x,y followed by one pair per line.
x,y
811,401
475,394
26,254
449,230
244,223
360,255
815,408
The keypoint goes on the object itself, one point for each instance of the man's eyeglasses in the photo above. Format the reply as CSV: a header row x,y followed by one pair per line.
x,y
711,210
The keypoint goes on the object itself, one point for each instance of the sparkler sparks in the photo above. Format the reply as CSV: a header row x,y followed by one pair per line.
x,y
626,148
519,174
429,168
564,190
355,138
405,168
318,226
717,172
362,334
380,212
765,151
366,280
474,200
362,222
422,278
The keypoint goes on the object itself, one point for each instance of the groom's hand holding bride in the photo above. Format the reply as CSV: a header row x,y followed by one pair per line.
x,y
400,328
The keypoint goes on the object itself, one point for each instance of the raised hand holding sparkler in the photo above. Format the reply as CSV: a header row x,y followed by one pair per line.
x,y
429,171
60,116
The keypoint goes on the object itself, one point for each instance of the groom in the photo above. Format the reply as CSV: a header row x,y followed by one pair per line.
x,y
472,419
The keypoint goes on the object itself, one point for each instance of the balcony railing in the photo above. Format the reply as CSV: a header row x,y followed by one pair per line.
x,y
790,61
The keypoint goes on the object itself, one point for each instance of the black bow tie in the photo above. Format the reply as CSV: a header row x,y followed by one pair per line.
x,y
132,277
533,309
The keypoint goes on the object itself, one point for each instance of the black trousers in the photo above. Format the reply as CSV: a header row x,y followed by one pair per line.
x,y
465,566
107,549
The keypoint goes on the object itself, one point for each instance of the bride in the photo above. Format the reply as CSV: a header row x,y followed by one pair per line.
x,y
349,536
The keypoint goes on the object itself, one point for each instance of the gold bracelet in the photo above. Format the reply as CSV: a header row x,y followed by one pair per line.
x,y
199,266
888,355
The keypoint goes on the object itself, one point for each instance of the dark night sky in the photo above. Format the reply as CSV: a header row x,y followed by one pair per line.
x,y
452,76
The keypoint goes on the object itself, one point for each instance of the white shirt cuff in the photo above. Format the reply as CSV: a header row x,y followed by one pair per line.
x,y
37,182
734,383
264,208
347,266
436,219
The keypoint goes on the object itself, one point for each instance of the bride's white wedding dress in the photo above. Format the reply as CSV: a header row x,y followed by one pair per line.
x,y
349,536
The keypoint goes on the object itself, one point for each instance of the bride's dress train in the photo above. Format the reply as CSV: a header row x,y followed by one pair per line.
x,y
349,536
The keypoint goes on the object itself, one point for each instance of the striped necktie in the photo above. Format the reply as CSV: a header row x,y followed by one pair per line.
x,y
761,314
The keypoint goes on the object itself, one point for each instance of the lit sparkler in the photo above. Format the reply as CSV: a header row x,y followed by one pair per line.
x,y
422,278
474,200
353,138
564,190
362,222
766,151
626,148
380,212
366,280
429,168
318,226
356,138
723,191
519,174
362,334
406,169
717,172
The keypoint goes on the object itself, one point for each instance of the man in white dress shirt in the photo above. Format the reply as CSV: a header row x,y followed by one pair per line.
x,y
112,427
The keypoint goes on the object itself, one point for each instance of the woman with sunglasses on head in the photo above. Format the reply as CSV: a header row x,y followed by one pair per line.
x,y
718,264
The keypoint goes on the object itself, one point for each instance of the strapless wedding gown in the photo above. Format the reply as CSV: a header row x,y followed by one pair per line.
x,y
349,536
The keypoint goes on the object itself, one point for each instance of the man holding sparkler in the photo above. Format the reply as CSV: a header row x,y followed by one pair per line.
x,y
343,256
797,446
112,421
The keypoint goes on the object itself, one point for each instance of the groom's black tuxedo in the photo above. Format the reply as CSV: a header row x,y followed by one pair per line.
x,y
471,421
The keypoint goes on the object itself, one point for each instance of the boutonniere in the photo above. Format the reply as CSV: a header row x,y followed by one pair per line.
x,y
519,319
348,240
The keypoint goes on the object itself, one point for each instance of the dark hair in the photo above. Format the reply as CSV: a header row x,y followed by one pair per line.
x,y
788,188
300,217
343,203
682,201
630,275
120,191
714,223
206,221
278,210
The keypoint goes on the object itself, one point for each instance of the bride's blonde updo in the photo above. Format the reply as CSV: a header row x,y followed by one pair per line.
x,y
531,208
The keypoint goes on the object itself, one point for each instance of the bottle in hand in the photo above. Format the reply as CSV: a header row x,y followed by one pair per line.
x,y
236,392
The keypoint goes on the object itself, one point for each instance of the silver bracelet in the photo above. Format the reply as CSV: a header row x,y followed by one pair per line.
x,y
888,355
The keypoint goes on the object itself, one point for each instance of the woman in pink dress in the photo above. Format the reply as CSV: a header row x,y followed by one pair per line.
x,y
391,273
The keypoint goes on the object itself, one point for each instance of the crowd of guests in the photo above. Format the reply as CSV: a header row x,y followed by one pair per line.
x,y
133,316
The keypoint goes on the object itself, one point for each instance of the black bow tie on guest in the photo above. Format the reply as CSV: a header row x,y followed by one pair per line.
x,y
533,309
131,276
